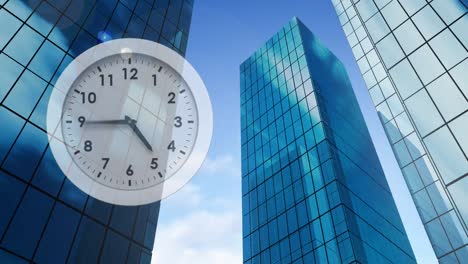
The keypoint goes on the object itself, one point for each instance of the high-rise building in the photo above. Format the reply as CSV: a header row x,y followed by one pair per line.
x,y
313,188
413,57
44,218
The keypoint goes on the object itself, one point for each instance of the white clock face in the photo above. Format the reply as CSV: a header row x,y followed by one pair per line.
x,y
129,122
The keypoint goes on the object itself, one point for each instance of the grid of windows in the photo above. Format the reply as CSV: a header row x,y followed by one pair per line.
x,y
414,59
310,193
44,217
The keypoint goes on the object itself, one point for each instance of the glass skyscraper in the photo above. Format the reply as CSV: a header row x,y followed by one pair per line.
x,y
44,218
413,57
313,188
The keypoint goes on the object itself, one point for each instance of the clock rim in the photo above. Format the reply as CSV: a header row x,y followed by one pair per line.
x,y
55,113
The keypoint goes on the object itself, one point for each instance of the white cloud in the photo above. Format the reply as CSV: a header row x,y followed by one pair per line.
x,y
224,164
197,225
188,196
200,237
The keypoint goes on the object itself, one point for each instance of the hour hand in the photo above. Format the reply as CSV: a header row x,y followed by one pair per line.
x,y
109,122
137,131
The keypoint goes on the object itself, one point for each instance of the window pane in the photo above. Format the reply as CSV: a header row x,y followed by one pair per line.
x,y
404,124
343,18
49,177
392,131
377,27
384,112
322,201
67,60
449,100
462,253
136,27
83,42
394,14
395,105
387,87
24,45
6,32
87,243
44,18
366,9
63,33
47,60
426,170
459,28
449,259
424,205
369,79
73,196
39,115
115,248
312,207
448,49
23,234
438,237
454,229
361,33
21,9
379,72
376,95
426,64
411,6
6,257
100,210
439,198
11,191
459,128
401,153
414,146
134,253
449,10
25,94
351,12
412,178
363,64
28,149
9,72
461,78
10,131
372,58
366,45
423,112
428,22
405,79
409,37
316,231
458,192
446,154
56,240
327,226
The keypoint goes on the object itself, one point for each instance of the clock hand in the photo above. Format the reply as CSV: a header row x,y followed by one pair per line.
x,y
110,122
132,123
127,121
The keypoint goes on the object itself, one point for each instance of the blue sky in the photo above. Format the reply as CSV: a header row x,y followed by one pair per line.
x,y
202,222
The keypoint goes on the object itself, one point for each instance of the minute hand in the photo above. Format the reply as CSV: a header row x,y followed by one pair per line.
x,y
140,135
110,122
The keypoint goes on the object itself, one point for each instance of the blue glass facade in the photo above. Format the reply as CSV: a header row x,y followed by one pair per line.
x,y
313,188
413,56
44,218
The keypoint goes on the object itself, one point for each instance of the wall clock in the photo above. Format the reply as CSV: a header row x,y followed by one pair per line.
x,y
129,121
